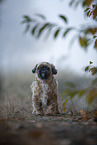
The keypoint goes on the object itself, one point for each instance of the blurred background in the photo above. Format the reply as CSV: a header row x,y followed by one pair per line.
x,y
20,51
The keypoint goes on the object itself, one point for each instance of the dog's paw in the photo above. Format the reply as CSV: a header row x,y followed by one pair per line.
x,y
41,113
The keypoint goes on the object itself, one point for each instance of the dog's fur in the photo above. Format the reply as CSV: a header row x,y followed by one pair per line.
x,y
44,89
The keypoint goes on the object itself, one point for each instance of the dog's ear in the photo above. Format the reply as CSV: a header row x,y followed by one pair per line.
x,y
34,70
54,71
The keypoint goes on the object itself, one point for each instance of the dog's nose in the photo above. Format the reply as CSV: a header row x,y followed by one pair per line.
x,y
43,75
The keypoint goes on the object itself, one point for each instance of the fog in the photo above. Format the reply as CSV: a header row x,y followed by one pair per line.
x,y
19,51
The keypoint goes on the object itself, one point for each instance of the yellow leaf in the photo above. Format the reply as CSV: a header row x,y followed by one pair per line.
x,y
82,92
64,109
93,70
91,96
61,110
95,44
92,30
65,102
88,2
83,41
95,12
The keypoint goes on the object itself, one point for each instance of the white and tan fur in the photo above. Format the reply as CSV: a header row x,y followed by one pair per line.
x,y
44,93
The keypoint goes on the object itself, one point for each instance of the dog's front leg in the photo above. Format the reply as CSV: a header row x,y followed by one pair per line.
x,y
52,108
37,106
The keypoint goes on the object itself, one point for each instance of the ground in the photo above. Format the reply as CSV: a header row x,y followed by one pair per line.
x,y
49,130
19,127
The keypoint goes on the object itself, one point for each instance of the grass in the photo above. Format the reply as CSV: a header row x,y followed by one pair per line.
x,y
16,102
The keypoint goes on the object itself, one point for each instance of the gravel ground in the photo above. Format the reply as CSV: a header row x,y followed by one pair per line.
x,y
48,130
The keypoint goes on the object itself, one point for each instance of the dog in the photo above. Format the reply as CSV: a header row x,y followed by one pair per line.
x,y
44,90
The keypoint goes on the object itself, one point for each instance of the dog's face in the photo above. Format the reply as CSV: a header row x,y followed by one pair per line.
x,y
44,70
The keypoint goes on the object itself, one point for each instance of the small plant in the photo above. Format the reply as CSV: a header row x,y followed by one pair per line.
x,y
90,92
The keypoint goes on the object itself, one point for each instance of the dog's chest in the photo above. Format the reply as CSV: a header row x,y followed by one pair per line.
x,y
44,96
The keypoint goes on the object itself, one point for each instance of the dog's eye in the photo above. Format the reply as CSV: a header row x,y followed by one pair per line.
x,y
47,68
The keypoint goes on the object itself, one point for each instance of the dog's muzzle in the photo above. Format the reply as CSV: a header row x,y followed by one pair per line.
x,y
44,72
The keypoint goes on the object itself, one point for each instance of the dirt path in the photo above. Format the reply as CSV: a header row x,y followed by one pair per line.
x,y
48,130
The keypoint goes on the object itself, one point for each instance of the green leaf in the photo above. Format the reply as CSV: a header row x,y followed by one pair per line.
x,y
28,19
88,13
56,32
73,94
34,29
71,2
86,9
92,95
84,3
81,92
65,102
24,21
91,62
87,68
70,84
66,31
42,29
93,6
41,16
63,18
94,36
66,93
27,28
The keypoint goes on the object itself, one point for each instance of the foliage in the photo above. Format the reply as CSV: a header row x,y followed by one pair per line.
x,y
72,90
90,92
84,33
91,68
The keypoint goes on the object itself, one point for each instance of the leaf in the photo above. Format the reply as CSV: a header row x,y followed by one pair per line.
x,y
94,36
56,32
65,102
27,28
41,16
84,3
93,30
88,13
63,18
83,42
73,94
64,109
88,2
81,92
24,21
68,30
70,84
91,96
91,62
71,2
76,4
93,6
86,9
95,12
93,70
28,19
95,44
91,12
34,29
87,68
42,28
66,93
